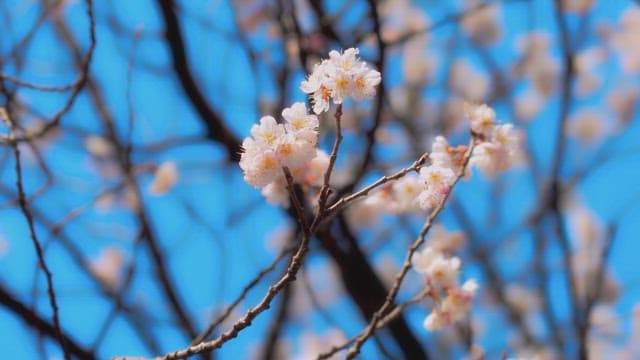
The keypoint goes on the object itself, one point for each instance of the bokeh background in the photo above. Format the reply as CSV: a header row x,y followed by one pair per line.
x,y
136,193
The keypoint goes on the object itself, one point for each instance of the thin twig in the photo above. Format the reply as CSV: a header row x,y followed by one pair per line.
x,y
346,200
24,206
294,265
255,281
370,329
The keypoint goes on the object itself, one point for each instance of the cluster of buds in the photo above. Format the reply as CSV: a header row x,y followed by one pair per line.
x,y
293,143
341,76
440,270
499,149
496,150
274,146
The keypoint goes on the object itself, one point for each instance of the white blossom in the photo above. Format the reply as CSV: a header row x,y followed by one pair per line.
x,y
276,193
436,321
367,211
482,119
298,119
267,133
340,77
498,155
438,181
442,240
405,193
164,179
259,163
316,168
108,265
294,152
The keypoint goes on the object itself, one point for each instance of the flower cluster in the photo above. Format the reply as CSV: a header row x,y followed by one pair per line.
x,y
440,271
446,162
497,150
500,149
293,144
273,146
340,77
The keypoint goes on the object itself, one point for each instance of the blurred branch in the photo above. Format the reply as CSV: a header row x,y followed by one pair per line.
x,y
216,127
26,211
42,326
370,329
75,87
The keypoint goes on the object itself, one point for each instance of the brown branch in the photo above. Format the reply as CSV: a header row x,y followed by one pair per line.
x,y
270,348
356,270
294,265
346,200
325,189
370,329
26,211
494,280
42,326
380,64
555,186
79,259
255,281
386,320
216,128
76,87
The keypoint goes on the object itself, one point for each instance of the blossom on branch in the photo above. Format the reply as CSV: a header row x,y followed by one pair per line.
x,y
440,271
340,77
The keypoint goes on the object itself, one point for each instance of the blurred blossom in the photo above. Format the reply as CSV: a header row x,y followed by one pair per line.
x,y
107,266
482,25
419,64
400,17
99,146
400,101
164,179
521,298
605,321
528,104
4,246
586,63
584,223
443,240
581,7
626,40
368,211
588,126
544,74
311,344
467,82
623,102
537,63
